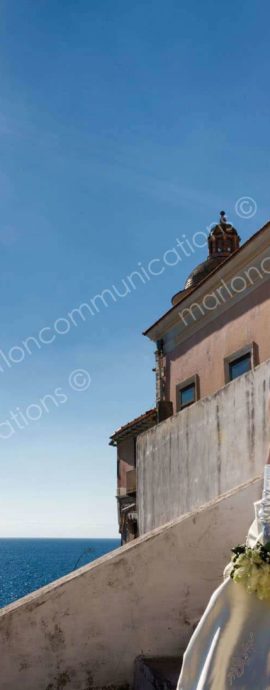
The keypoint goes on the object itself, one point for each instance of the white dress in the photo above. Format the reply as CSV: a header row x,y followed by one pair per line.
x,y
230,649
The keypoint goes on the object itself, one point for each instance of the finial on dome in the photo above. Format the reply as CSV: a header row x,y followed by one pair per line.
x,y
223,218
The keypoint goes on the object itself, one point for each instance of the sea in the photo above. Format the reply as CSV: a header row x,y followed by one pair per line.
x,y
27,564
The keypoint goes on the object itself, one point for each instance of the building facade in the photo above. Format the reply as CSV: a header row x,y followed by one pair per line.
x,y
218,326
217,329
124,439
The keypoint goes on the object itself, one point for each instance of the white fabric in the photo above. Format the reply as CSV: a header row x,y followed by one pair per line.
x,y
230,649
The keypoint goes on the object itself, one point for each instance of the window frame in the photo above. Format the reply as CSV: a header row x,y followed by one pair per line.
x,y
192,380
250,349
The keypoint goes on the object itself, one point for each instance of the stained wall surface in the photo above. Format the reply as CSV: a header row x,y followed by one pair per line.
x,y
85,631
204,450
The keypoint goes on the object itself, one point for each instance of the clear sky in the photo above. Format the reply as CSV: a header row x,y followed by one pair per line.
x,y
123,126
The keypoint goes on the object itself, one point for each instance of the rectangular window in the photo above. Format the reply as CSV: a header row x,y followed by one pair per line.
x,y
187,393
239,366
240,362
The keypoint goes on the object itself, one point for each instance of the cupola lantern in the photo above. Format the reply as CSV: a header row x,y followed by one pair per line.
x,y
223,239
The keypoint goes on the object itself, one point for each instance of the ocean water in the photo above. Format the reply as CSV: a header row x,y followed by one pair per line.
x,y
27,564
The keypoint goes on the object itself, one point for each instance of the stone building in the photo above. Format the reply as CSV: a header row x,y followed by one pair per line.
x,y
217,329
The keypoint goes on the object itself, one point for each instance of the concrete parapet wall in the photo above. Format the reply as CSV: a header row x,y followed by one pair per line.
x,y
84,631
203,451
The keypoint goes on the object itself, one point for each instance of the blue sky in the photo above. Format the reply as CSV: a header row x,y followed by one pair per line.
x,y
122,126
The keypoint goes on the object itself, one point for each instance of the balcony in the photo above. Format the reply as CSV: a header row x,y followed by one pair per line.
x,y
131,482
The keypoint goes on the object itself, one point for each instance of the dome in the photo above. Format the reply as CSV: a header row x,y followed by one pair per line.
x,y
223,241
203,270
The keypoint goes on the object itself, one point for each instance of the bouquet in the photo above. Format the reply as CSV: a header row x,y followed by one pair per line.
x,y
251,568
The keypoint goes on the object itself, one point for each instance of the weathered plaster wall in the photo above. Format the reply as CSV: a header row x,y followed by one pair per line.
x,y
84,631
204,450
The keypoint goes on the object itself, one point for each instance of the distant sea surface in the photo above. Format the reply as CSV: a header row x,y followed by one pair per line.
x,y
27,564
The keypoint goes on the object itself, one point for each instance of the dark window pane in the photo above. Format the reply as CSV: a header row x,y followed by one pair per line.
x,y
187,395
240,366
